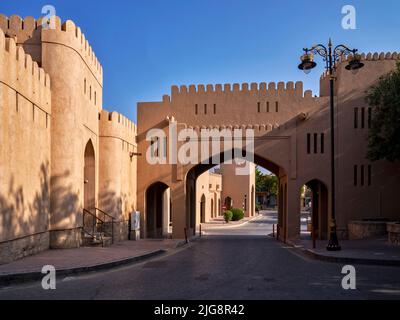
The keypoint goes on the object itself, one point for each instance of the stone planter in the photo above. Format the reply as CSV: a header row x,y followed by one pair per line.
x,y
367,229
393,230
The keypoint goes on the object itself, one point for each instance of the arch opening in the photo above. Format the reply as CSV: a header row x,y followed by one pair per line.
x,y
202,208
89,174
314,210
158,211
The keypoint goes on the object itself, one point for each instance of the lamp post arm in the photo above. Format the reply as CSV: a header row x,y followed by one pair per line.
x,y
319,49
341,50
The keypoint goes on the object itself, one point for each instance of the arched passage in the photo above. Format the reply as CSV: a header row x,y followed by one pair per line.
x,y
157,210
314,202
228,203
203,204
89,192
198,169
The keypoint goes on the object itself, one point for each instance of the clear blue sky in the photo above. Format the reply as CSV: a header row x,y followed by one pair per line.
x,y
147,46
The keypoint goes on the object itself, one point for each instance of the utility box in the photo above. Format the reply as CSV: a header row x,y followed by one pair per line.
x,y
135,226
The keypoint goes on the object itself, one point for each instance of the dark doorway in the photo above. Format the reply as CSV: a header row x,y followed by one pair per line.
x,y
203,209
155,208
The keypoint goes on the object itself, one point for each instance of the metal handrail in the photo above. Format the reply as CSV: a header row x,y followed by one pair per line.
x,y
107,215
98,223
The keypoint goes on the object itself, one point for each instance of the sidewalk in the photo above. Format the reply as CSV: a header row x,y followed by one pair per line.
x,y
371,251
219,222
84,259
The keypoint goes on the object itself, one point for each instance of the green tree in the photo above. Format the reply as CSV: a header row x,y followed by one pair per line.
x,y
266,182
383,140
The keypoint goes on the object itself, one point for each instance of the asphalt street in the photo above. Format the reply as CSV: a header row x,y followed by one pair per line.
x,y
235,263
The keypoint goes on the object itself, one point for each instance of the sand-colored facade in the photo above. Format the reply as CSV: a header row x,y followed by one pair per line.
x,y
208,196
61,152
292,135
239,191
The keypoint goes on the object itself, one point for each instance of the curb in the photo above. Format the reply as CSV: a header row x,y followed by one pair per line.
x,y
376,262
364,261
16,278
192,239
227,226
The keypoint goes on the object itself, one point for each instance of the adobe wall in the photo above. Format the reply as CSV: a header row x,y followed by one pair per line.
x,y
25,117
210,185
365,189
239,187
76,76
271,110
118,167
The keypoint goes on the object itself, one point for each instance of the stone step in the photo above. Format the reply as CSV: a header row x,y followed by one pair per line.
x,y
97,241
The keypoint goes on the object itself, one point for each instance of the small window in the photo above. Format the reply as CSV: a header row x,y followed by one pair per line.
x,y
362,118
215,109
95,98
362,175
84,87
322,143
308,143
277,106
369,175
267,106
258,107
90,93
355,118
205,109
315,142
155,147
355,174
196,109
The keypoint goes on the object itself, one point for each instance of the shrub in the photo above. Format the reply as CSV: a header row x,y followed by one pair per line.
x,y
238,214
258,207
228,216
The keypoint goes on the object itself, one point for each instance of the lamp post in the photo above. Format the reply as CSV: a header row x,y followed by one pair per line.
x,y
330,56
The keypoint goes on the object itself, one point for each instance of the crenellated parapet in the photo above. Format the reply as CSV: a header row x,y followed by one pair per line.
x,y
21,74
66,34
115,125
265,89
382,56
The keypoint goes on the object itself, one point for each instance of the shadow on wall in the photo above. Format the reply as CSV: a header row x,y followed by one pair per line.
x,y
64,204
19,218
119,208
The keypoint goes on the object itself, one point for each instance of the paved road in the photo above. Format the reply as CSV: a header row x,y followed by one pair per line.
x,y
230,266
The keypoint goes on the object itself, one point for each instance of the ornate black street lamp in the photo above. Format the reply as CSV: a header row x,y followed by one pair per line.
x,y
331,55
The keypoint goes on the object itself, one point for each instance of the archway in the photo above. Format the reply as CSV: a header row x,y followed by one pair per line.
x,y
245,200
228,203
203,209
89,190
314,209
157,210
